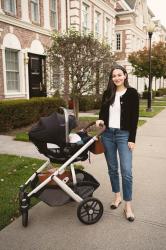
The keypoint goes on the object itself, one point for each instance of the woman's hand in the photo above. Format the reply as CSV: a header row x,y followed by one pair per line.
x,y
131,145
99,123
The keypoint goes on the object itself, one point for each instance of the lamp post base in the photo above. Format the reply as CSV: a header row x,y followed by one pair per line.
x,y
149,109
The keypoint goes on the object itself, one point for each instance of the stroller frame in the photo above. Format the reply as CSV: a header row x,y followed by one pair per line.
x,y
89,210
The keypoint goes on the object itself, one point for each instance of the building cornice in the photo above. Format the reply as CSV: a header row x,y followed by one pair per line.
x,y
104,6
130,27
21,24
125,13
125,5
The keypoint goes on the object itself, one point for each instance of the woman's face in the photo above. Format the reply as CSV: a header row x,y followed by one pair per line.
x,y
118,77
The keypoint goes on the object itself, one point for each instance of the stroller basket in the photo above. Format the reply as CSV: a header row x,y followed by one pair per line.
x,y
55,196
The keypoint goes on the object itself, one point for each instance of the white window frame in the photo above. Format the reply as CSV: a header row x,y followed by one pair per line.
x,y
35,13
53,13
97,23
14,71
85,13
107,29
10,6
118,40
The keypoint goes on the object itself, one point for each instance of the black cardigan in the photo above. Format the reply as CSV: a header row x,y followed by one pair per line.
x,y
129,103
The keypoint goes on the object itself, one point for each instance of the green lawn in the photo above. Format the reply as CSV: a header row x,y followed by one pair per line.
x,y
144,113
21,136
141,122
154,103
87,119
14,171
163,98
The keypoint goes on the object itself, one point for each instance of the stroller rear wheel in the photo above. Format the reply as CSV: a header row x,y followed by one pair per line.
x,y
90,210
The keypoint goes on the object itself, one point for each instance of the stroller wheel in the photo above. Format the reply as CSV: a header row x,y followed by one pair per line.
x,y
25,217
90,210
24,211
21,196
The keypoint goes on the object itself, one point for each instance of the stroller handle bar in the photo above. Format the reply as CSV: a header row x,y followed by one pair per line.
x,y
101,130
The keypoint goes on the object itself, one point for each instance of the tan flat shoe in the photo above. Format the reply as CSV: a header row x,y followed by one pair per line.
x,y
114,206
129,217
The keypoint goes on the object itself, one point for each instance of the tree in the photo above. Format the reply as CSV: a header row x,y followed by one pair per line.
x,y
140,61
79,56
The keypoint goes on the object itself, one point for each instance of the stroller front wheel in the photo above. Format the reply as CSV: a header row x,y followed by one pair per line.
x,y
90,210
24,212
25,218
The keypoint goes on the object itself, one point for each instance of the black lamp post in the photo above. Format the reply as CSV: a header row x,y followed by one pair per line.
x,y
150,30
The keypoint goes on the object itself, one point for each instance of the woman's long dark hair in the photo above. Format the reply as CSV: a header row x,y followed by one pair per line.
x,y
111,87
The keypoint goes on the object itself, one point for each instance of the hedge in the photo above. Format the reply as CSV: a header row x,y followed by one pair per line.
x,y
161,91
145,94
19,113
89,102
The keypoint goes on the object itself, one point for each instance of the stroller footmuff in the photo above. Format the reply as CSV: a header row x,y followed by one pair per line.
x,y
65,184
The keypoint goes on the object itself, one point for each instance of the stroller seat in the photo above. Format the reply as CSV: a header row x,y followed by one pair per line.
x,y
55,130
61,154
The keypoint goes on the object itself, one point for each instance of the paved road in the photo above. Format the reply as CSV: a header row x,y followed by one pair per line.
x,y
59,229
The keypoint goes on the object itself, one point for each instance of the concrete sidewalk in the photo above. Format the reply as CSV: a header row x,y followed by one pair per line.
x,y
59,229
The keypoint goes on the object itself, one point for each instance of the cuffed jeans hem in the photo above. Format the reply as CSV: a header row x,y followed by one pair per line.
x,y
127,199
115,191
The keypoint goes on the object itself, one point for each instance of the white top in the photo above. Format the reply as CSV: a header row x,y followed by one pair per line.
x,y
114,111
74,138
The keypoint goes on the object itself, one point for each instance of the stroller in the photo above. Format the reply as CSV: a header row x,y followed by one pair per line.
x,y
51,135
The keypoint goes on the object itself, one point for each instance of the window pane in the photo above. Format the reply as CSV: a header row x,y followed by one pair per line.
x,y
85,11
53,15
118,41
53,5
34,10
97,23
107,27
12,70
53,19
9,6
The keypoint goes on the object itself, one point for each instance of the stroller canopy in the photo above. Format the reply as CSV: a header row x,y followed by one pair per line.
x,y
52,129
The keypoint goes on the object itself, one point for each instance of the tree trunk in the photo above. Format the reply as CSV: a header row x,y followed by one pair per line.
x,y
76,107
66,85
97,84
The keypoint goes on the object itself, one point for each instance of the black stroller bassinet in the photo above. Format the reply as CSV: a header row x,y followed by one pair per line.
x,y
51,137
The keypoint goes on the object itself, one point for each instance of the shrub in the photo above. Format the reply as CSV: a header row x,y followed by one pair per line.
x,y
145,94
159,93
89,102
162,91
19,113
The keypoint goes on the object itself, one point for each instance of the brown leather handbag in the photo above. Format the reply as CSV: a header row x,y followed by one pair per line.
x,y
97,147
45,174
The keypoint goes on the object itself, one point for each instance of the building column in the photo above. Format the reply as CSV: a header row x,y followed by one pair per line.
x,y
1,11
3,73
26,73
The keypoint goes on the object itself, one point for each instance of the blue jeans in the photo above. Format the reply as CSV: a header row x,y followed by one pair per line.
x,y
116,140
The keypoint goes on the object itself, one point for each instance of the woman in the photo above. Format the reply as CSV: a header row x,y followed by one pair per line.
x,y
119,112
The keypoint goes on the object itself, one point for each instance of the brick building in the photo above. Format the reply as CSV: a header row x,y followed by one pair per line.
x,y
25,29
24,33
26,26
132,19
